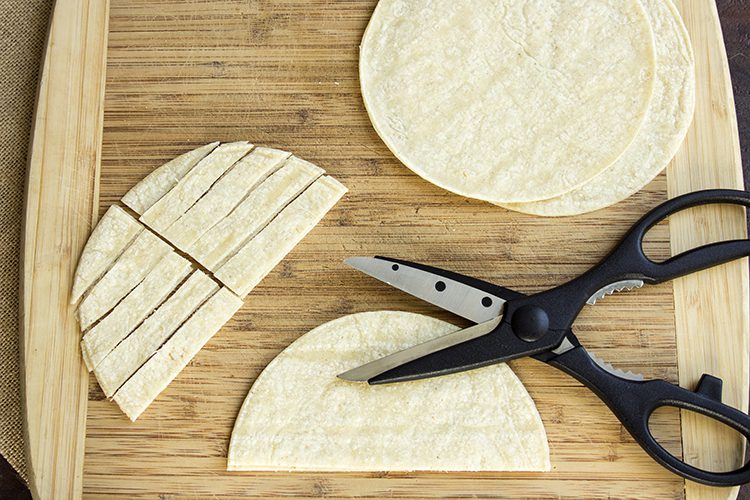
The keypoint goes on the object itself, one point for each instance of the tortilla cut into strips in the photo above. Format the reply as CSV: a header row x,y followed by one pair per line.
x,y
158,183
130,269
193,185
254,213
225,195
154,376
132,352
138,304
667,121
511,101
111,236
261,254
298,416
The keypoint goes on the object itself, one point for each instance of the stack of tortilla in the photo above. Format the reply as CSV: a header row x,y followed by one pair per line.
x,y
548,108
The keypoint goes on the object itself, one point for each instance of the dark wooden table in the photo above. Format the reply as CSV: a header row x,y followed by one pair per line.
x,y
735,20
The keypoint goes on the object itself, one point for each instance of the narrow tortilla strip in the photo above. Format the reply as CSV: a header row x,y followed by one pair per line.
x,y
154,376
129,270
261,254
195,183
132,352
299,416
111,236
160,181
226,194
138,304
257,210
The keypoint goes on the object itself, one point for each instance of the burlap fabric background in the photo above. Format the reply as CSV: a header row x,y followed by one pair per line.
x,y
23,31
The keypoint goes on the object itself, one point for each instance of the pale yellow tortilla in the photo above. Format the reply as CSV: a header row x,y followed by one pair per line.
x,y
158,183
111,236
193,185
124,275
262,253
154,376
299,416
254,213
507,101
132,352
224,196
136,336
139,303
667,121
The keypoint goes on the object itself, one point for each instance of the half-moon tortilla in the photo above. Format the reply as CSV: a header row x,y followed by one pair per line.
x,y
299,416
507,101
667,121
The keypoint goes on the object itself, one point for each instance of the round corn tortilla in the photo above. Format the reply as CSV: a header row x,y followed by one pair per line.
x,y
507,101
299,416
667,121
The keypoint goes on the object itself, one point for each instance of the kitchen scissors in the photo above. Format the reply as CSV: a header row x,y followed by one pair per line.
x,y
511,325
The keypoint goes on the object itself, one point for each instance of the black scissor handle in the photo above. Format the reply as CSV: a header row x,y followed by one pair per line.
x,y
629,258
633,402
627,262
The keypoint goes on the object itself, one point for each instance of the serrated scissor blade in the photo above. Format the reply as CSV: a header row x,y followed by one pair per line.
x,y
459,298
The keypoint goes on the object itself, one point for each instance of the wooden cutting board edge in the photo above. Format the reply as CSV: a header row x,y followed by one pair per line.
x,y
54,379
712,335
62,194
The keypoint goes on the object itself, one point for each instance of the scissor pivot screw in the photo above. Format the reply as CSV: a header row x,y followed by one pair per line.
x,y
530,323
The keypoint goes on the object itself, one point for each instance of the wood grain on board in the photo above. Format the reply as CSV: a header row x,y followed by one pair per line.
x,y
712,325
61,193
284,74
182,73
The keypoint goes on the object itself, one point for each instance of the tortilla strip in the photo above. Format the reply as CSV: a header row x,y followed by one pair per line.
x,y
138,304
111,236
132,352
156,184
130,269
260,255
193,185
226,194
299,416
254,213
154,376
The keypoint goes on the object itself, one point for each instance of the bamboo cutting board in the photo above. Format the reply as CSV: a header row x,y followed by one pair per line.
x,y
284,74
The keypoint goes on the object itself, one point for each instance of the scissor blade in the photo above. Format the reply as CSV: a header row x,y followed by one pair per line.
x,y
463,300
498,346
372,369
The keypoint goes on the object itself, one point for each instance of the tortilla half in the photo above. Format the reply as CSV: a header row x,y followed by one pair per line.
x,y
507,101
141,322
667,121
299,416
